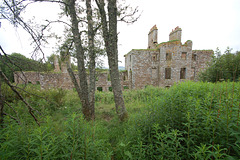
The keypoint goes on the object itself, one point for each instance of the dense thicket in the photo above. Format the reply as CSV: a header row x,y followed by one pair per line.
x,y
223,67
18,62
188,121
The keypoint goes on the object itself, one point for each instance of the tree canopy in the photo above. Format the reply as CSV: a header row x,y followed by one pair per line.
x,y
18,62
223,67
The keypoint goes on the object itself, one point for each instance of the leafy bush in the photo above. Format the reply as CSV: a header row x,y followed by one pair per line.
x,y
200,114
187,121
74,140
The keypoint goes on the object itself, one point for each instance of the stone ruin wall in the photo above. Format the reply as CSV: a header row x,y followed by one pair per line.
x,y
60,78
148,66
144,66
175,49
140,68
202,59
176,34
63,80
152,37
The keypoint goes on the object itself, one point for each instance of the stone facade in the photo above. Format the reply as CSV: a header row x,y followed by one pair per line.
x,y
159,65
63,80
165,63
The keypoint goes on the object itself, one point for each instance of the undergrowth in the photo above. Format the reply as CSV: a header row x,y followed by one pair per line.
x,y
187,121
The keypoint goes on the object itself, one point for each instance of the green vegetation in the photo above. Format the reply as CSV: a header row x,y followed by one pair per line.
x,y
223,67
187,121
176,40
17,62
141,50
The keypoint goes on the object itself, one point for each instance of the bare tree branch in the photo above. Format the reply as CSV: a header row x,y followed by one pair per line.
x,y
58,21
15,10
131,16
55,1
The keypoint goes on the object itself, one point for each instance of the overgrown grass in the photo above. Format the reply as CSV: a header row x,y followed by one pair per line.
x,y
188,121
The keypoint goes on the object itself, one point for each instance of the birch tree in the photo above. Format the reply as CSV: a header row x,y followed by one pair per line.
x,y
108,20
110,37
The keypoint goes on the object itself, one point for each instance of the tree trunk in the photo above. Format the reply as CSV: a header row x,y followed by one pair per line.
x,y
110,39
80,61
92,56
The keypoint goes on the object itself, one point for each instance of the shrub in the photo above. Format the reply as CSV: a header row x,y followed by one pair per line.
x,y
76,139
201,113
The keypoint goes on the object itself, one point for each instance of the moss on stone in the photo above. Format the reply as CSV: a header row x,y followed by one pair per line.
x,y
140,50
167,42
207,50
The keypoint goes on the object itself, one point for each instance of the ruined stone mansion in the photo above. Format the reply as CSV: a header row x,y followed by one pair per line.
x,y
159,65
165,63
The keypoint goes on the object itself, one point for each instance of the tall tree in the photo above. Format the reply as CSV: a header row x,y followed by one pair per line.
x,y
222,67
92,57
110,36
109,29
83,92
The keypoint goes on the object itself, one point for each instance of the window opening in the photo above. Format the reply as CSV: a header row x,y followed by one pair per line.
x,y
168,56
125,87
167,73
154,58
99,89
194,57
184,55
183,73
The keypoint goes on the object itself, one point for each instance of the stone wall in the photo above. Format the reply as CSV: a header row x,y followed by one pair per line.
x,y
152,37
160,65
202,57
176,63
63,80
166,63
139,67
176,34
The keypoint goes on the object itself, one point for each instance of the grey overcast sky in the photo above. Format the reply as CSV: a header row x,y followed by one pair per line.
x,y
208,23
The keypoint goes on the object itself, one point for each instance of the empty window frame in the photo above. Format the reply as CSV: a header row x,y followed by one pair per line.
x,y
100,89
184,56
125,87
108,77
167,73
154,58
168,56
194,57
125,77
183,73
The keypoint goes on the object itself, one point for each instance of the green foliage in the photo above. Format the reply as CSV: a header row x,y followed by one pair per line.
x,y
187,121
223,67
200,114
74,140
18,62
